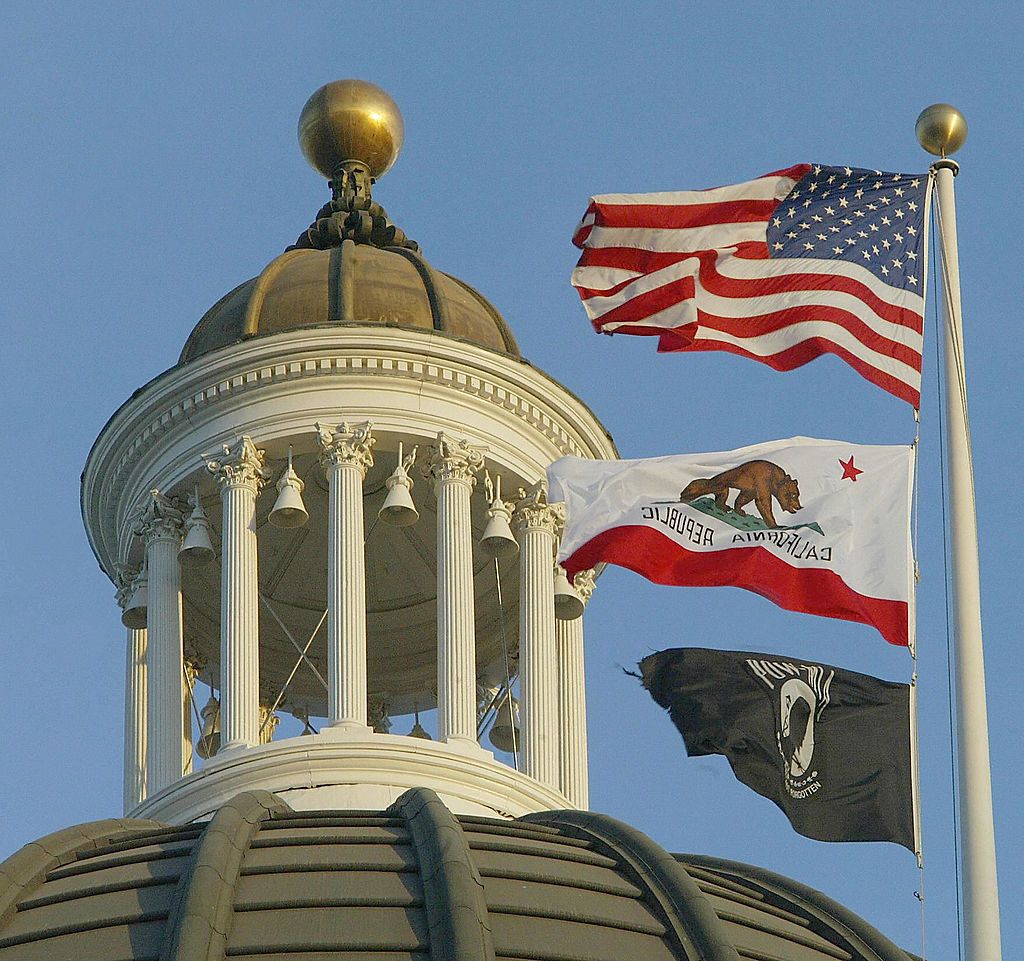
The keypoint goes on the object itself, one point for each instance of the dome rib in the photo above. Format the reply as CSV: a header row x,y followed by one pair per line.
x,y
839,919
340,295
438,307
260,286
199,924
453,891
684,909
26,870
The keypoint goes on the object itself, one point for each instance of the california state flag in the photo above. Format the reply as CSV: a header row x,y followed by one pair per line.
x,y
817,526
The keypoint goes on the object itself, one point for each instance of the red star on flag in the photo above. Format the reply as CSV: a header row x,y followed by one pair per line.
x,y
849,471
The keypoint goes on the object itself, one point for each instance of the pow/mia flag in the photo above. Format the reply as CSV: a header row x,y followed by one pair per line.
x,y
828,746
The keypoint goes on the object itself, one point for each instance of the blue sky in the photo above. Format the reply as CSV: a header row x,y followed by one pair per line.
x,y
150,165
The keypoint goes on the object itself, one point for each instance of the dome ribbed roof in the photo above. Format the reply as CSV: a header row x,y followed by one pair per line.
x,y
350,284
411,883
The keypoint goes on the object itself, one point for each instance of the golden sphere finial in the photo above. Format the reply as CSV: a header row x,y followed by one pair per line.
x,y
941,129
348,120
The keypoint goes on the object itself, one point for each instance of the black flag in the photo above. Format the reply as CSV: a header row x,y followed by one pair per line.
x,y
828,746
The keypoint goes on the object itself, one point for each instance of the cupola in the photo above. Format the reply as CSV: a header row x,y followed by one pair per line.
x,y
335,440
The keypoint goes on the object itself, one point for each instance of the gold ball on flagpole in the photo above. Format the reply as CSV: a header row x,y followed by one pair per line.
x,y
351,120
941,129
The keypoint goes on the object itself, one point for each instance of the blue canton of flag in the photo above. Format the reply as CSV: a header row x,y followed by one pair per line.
x,y
866,217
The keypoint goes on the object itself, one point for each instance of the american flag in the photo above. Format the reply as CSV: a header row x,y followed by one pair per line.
x,y
797,263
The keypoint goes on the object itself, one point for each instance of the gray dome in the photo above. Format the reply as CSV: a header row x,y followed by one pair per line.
x,y
411,883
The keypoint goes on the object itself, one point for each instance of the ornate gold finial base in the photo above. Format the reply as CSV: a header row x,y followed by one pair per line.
x,y
351,131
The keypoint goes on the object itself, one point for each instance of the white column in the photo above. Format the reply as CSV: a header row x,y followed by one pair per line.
x,y
159,524
345,457
982,938
453,465
241,474
537,523
573,779
135,710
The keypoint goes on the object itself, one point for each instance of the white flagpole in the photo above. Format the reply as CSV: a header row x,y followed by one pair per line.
x,y
941,130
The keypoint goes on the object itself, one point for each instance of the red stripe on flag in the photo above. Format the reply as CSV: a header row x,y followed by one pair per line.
x,y
646,305
796,172
670,216
807,590
813,313
682,339
797,282
648,261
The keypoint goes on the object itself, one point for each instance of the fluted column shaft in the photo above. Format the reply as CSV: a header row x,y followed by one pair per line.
x,y
453,465
159,524
136,699
345,457
240,474
538,522
572,701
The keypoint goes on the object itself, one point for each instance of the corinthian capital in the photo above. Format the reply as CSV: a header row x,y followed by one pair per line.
x,y
158,517
453,458
241,466
347,444
534,512
125,578
584,583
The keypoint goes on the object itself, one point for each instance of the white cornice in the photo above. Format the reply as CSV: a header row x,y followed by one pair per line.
x,y
272,385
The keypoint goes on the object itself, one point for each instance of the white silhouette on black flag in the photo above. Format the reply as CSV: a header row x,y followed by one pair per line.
x,y
830,747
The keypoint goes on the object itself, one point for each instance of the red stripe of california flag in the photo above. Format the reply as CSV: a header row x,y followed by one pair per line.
x,y
821,527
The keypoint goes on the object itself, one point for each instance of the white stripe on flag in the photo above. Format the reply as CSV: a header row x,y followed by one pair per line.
x,y
597,307
763,188
744,268
768,345
754,307
678,240
601,278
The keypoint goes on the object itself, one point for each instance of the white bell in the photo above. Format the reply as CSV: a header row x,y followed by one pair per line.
x,y
209,738
197,548
505,729
498,539
568,604
134,614
398,508
289,511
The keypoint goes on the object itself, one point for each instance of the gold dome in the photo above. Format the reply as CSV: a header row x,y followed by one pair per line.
x,y
352,266
350,120
353,284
